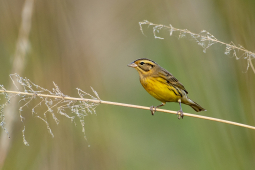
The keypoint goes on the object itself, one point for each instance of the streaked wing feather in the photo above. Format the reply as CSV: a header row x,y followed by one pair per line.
x,y
171,80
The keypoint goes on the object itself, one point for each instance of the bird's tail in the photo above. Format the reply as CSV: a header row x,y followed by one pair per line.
x,y
196,106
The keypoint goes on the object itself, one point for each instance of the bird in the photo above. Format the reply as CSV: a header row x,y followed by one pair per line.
x,y
162,85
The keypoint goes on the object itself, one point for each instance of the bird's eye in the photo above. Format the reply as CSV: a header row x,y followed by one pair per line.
x,y
142,63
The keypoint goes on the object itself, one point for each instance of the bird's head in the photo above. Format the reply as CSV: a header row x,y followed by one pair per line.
x,y
144,66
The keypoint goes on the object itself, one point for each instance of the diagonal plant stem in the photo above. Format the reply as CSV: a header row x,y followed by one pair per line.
x,y
19,60
128,105
201,38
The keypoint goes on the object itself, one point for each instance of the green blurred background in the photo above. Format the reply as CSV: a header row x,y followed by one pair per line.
x,y
83,43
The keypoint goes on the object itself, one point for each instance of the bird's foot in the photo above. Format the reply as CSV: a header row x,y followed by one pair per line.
x,y
180,114
153,110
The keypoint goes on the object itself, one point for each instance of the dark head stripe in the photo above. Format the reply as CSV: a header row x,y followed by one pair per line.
x,y
145,59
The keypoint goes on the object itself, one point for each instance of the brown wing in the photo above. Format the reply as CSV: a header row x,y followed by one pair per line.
x,y
171,80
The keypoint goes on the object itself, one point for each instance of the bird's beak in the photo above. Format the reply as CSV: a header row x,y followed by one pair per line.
x,y
134,65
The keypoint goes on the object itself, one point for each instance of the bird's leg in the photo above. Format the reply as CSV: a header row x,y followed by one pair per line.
x,y
180,112
152,108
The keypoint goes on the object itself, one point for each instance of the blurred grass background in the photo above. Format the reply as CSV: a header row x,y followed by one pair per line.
x,y
89,43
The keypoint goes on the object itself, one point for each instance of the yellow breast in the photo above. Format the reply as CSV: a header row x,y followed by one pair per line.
x,y
160,90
